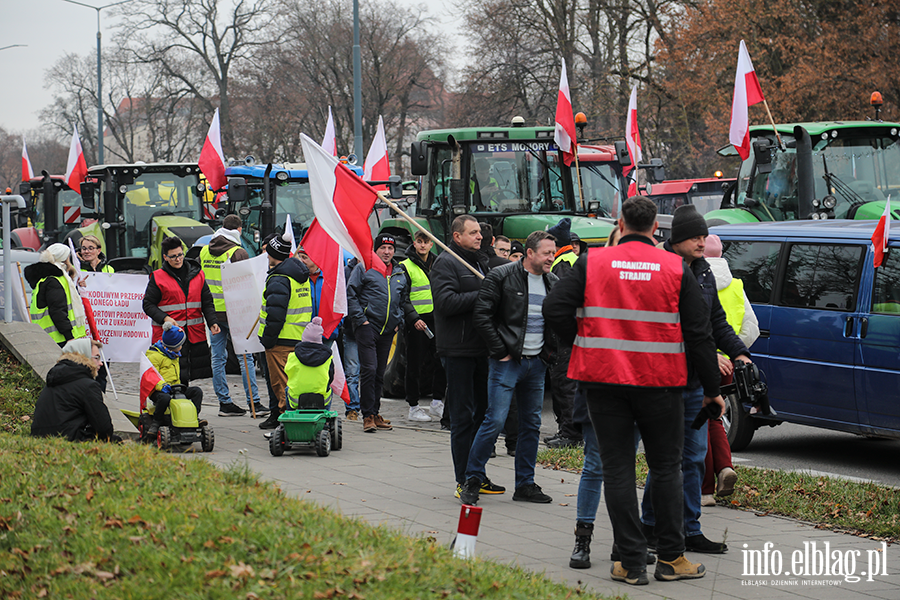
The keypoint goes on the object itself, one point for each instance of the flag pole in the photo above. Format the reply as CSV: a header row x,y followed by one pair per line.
x,y
772,121
387,200
249,388
578,172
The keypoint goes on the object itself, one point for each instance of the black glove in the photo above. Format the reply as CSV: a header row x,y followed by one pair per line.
x,y
710,411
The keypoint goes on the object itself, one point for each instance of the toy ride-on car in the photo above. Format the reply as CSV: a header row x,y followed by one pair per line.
x,y
308,426
181,427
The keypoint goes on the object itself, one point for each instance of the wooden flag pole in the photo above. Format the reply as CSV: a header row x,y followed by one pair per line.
x,y
772,121
249,388
387,200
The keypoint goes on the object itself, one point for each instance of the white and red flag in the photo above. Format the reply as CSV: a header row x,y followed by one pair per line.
x,y
377,166
329,142
342,203
633,140
150,377
564,135
76,167
747,92
339,383
27,171
328,256
212,159
882,234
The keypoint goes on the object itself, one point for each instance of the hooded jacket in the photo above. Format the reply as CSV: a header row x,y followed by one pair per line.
x,y
455,289
218,246
50,295
277,296
750,325
71,404
426,268
382,301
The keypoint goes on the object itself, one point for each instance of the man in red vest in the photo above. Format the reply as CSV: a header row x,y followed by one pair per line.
x,y
636,316
177,293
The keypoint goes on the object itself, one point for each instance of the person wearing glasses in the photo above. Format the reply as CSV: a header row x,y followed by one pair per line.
x,y
178,294
92,257
71,404
502,246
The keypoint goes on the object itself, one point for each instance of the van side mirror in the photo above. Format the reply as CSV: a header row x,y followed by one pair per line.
x,y
88,193
622,153
237,189
418,155
763,149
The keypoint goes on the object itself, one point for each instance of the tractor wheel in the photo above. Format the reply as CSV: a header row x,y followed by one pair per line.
x,y
337,435
276,442
207,439
323,443
164,437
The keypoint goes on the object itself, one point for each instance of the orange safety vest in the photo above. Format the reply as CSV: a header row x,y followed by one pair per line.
x,y
187,311
629,330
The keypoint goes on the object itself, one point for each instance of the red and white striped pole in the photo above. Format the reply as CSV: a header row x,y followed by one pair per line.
x,y
467,531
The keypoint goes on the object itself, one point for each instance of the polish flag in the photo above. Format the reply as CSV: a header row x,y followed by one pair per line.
x,y
289,230
76,168
342,203
633,140
329,142
339,383
747,92
564,135
882,234
27,171
150,377
212,159
328,256
377,166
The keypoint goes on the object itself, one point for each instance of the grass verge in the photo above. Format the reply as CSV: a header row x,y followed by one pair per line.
x,y
19,389
864,509
109,521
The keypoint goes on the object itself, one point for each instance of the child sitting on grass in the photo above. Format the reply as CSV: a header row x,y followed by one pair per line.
x,y
164,355
310,370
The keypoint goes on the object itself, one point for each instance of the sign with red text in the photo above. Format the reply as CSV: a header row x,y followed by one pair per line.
x,y
117,302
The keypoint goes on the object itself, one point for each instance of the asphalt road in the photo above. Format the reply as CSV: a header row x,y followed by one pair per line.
x,y
791,447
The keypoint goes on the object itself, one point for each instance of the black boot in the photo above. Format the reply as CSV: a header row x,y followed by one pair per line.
x,y
581,556
272,421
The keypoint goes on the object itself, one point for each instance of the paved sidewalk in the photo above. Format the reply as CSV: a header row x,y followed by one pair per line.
x,y
403,479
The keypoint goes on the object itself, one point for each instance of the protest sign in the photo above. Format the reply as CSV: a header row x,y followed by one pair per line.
x,y
242,285
117,301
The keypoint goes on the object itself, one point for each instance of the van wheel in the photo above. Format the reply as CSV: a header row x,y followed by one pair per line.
x,y
738,426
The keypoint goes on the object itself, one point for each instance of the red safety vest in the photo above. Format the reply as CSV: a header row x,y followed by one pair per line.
x,y
629,331
187,311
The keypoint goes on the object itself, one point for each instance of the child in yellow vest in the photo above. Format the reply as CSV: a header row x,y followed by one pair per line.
x,y
310,370
165,357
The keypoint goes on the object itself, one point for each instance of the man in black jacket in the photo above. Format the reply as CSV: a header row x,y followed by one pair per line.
x,y
508,316
689,232
455,288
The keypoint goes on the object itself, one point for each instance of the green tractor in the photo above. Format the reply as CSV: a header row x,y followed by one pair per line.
x,y
140,204
52,212
823,170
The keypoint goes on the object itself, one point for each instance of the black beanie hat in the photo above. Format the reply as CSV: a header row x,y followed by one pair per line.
x,y
384,238
279,248
561,231
687,223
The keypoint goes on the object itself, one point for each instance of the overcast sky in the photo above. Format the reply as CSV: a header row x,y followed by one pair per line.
x,y
50,29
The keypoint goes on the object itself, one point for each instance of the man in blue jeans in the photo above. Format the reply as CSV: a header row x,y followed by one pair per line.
x,y
508,316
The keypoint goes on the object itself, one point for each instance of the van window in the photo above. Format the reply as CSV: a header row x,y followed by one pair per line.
x,y
886,297
822,276
754,264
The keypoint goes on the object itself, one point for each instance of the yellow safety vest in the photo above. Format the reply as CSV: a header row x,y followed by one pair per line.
x,y
570,257
420,288
303,379
212,269
41,316
103,269
732,300
299,310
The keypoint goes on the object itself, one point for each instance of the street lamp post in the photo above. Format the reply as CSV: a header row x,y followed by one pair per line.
x,y
357,87
99,77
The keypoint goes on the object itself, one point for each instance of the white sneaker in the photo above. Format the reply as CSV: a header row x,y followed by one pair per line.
x,y
437,409
707,500
417,413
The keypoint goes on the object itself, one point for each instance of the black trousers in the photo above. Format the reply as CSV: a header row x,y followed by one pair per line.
x,y
422,365
466,403
374,348
161,400
562,390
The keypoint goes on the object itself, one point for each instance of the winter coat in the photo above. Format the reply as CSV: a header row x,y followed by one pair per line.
x,y
426,268
371,298
169,368
501,310
218,246
749,331
455,289
51,295
71,404
277,296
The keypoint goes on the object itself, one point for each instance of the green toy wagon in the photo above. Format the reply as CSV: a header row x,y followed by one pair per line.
x,y
307,427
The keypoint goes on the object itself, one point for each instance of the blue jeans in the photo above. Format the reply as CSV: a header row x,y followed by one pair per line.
x,y
525,378
693,467
350,358
220,357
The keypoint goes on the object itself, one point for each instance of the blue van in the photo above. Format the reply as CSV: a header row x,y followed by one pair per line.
x,y
829,322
